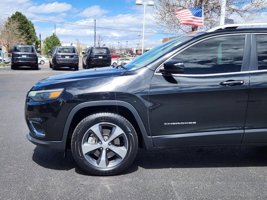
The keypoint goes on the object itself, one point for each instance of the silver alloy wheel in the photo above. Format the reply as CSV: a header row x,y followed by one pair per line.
x,y
104,145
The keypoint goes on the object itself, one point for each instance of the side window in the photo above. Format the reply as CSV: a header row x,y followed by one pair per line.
x,y
216,55
262,51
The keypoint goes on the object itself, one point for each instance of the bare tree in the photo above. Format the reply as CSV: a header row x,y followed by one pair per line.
x,y
165,11
10,35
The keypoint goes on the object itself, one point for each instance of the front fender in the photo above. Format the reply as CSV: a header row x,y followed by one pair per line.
x,y
146,138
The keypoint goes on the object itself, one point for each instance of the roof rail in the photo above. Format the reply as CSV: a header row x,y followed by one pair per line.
x,y
234,26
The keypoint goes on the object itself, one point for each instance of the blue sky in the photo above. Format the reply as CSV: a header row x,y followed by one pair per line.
x,y
117,20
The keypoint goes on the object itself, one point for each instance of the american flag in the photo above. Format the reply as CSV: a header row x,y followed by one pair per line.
x,y
191,17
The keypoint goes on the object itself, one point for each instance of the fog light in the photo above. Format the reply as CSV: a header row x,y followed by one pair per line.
x,y
36,127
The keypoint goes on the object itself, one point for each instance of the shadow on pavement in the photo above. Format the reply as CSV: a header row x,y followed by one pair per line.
x,y
190,157
203,157
64,69
25,68
51,159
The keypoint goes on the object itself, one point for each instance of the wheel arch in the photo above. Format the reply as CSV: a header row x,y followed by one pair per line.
x,y
119,107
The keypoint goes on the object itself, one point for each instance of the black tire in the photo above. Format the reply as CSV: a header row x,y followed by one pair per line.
x,y
114,64
76,68
84,66
54,67
50,65
36,67
13,67
101,118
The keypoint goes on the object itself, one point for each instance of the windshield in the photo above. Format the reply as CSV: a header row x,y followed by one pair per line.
x,y
66,50
100,51
155,53
25,49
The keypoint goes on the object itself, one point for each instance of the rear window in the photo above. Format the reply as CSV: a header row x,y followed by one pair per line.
x,y
100,51
66,50
27,49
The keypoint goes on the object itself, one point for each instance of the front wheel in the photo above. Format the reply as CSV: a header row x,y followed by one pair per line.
x,y
54,67
76,68
36,67
114,64
13,67
104,144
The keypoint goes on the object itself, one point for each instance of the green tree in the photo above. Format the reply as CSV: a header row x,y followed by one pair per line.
x,y
25,27
50,42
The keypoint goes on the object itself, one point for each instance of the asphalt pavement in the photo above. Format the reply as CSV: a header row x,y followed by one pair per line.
x,y
30,172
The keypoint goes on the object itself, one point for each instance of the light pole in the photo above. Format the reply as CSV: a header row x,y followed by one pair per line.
x,y
145,4
126,46
119,47
223,8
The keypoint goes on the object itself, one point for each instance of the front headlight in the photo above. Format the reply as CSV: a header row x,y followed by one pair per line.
x,y
44,95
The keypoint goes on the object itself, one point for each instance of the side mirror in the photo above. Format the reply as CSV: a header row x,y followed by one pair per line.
x,y
173,67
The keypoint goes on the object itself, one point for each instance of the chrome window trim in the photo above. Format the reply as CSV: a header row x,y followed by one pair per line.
x,y
259,33
218,74
200,75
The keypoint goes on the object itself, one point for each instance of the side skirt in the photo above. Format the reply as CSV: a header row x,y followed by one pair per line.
x,y
231,137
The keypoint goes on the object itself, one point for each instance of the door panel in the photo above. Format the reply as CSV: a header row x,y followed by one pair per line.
x,y
256,123
202,100
197,104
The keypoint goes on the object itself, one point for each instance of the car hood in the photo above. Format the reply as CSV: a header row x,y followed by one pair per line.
x,y
97,72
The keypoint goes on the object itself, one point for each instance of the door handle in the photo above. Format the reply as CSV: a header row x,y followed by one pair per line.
x,y
232,82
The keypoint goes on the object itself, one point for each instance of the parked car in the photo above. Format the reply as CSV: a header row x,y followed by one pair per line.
x,y
64,56
42,59
121,61
96,57
6,60
24,55
115,56
208,89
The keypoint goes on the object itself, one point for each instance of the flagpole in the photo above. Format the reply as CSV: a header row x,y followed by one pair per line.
x,y
203,15
223,7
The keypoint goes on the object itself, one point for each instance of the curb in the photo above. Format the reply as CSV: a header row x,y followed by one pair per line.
x,y
4,66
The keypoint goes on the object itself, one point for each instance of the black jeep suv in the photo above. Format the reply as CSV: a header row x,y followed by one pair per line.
x,y
210,89
24,55
64,56
96,57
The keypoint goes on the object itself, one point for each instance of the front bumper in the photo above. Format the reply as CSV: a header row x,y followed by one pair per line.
x,y
57,145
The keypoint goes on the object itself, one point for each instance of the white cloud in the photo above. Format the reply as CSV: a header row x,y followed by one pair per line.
x,y
58,18
8,7
121,27
54,7
93,11
112,28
